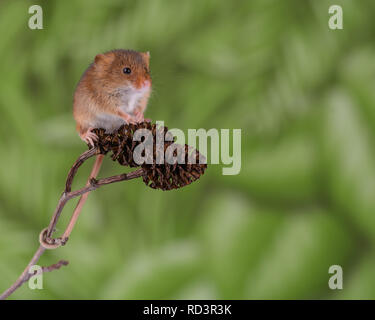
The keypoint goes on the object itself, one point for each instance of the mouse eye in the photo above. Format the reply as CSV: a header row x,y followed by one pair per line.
x,y
126,70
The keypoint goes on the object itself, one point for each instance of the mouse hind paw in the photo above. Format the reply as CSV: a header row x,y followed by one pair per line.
x,y
89,137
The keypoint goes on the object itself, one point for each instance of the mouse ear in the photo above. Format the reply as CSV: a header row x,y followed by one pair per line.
x,y
146,56
104,57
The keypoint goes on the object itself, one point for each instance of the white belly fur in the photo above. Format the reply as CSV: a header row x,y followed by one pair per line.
x,y
111,122
108,121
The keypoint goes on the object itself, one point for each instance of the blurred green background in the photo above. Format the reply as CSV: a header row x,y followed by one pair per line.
x,y
304,98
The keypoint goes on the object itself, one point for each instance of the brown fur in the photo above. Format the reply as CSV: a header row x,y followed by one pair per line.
x,y
98,90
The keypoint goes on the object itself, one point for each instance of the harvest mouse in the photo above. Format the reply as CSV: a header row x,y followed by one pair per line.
x,y
114,90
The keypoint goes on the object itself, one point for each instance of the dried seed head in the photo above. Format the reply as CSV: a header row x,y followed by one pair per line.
x,y
181,163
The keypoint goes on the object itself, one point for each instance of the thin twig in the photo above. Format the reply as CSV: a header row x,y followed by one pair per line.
x,y
68,187
72,172
24,275
65,197
94,184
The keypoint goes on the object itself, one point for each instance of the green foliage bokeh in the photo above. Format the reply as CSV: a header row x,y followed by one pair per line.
x,y
304,200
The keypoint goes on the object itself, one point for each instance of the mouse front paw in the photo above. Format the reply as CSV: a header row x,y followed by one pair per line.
x,y
138,116
128,118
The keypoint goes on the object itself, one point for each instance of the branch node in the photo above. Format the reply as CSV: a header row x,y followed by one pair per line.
x,y
48,243
64,241
93,182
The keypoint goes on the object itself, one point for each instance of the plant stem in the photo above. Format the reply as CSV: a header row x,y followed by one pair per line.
x,y
65,197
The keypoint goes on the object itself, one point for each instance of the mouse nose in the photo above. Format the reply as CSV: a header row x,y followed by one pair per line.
x,y
147,83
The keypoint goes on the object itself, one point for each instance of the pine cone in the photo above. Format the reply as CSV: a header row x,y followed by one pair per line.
x,y
166,176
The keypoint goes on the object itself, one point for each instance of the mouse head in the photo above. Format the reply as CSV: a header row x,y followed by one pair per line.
x,y
125,68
